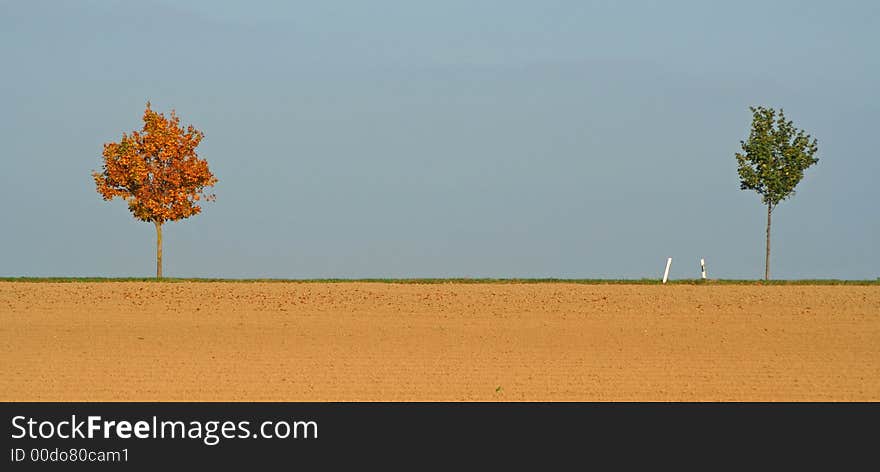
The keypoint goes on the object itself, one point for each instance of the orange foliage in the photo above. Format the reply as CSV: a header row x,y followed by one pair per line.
x,y
156,170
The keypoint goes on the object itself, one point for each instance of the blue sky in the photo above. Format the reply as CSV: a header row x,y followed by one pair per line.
x,y
443,139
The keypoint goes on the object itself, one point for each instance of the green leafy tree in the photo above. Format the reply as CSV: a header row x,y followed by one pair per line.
x,y
773,161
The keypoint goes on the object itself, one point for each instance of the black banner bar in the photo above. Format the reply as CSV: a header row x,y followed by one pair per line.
x,y
135,435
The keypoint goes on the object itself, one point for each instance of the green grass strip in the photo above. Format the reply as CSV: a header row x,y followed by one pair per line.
x,y
450,281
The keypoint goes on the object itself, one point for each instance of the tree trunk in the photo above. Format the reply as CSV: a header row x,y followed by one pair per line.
x,y
767,255
158,249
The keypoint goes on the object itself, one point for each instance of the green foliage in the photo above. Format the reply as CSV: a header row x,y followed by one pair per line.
x,y
775,156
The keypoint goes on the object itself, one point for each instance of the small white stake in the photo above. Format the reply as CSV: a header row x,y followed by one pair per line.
x,y
666,272
703,268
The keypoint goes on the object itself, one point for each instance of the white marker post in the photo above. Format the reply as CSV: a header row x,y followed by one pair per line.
x,y
666,272
703,268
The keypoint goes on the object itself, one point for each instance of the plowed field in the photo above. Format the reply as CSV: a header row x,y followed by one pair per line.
x,y
131,341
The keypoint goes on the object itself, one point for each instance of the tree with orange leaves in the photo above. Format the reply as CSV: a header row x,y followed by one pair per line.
x,y
157,172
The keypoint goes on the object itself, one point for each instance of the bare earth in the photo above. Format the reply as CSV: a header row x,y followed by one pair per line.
x,y
125,341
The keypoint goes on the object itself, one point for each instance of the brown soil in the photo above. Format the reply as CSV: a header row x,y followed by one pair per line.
x,y
381,342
